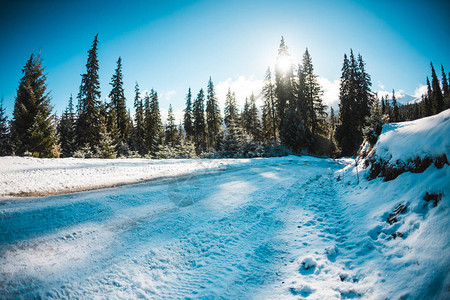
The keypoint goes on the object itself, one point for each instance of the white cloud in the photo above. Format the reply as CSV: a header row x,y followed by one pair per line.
x,y
330,91
421,90
242,86
167,96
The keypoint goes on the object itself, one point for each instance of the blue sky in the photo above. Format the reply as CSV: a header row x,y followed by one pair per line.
x,y
174,45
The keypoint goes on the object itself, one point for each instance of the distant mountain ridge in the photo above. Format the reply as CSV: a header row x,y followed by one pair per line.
x,y
404,99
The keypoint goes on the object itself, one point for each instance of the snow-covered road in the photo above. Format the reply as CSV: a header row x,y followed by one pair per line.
x,y
235,233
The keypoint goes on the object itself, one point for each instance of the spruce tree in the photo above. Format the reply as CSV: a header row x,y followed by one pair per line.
x,y
245,117
364,95
106,147
187,122
233,140
355,96
293,130
395,117
230,111
331,124
118,102
171,129
88,123
437,100
148,139
32,125
445,89
5,139
139,128
283,80
153,127
66,129
427,104
445,85
347,133
109,114
213,117
316,110
255,130
199,128
269,120
374,124
383,106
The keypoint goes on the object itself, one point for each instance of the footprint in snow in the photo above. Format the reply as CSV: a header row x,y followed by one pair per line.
x,y
303,290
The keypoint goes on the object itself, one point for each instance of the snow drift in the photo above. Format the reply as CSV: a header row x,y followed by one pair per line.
x,y
410,146
402,209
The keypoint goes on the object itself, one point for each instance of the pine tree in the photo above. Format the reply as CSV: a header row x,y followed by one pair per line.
x,y
445,88
293,130
445,83
347,134
199,127
437,100
316,110
283,80
395,117
255,130
106,147
153,135
139,128
109,114
118,102
332,124
66,129
148,139
32,125
364,95
88,123
188,126
233,140
5,139
427,105
383,106
375,124
230,111
171,129
355,96
269,120
213,117
245,117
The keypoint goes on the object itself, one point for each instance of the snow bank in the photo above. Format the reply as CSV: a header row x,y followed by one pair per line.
x,y
401,226
27,176
426,137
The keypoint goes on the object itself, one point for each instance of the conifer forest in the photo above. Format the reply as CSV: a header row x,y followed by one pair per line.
x,y
292,119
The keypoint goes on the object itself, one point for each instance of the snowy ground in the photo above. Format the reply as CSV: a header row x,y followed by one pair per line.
x,y
27,176
292,227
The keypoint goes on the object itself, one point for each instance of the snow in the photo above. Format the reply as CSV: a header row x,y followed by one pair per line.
x,y
25,176
426,137
274,228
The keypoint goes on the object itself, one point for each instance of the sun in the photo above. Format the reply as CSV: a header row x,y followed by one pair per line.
x,y
283,64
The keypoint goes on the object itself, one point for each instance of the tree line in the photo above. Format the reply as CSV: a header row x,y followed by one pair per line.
x,y
292,119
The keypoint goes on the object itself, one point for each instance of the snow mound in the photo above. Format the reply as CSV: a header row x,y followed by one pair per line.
x,y
410,146
424,137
